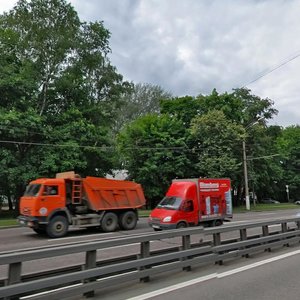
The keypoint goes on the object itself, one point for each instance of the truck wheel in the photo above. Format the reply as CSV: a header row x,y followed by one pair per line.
x,y
109,222
128,220
181,225
40,230
57,227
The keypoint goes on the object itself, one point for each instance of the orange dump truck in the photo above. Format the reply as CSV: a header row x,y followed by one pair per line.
x,y
51,205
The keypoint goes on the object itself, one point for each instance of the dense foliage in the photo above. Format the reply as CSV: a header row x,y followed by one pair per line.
x,y
63,106
58,94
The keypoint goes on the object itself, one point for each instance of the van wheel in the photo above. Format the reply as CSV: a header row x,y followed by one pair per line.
x,y
181,225
216,223
57,227
109,222
128,220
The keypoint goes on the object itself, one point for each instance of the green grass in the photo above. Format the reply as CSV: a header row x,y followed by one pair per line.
x,y
7,222
7,218
266,207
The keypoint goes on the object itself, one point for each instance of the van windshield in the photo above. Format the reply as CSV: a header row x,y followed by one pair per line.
x,y
32,190
172,203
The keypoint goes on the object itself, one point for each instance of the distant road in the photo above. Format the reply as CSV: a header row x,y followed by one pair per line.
x,y
20,238
17,238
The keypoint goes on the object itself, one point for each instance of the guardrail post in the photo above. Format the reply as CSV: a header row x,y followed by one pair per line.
x,y
265,232
14,276
217,242
186,244
243,237
284,229
90,263
145,252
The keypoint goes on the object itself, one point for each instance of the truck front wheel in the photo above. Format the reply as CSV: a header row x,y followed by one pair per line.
x,y
109,222
40,229
57,227
128,220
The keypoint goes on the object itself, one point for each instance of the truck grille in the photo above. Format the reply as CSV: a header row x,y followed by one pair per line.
x,y
26,211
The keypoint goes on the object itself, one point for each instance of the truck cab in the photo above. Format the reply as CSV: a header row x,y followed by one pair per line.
x,y
43,207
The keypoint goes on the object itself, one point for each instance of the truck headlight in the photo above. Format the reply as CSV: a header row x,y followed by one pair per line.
x,y
167,219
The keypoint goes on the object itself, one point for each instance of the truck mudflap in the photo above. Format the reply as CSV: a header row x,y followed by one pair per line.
x,y
31,222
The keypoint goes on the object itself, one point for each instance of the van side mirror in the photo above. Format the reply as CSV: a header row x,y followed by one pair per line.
x,y
187,206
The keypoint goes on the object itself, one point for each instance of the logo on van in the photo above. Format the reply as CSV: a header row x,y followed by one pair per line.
x,y
204,186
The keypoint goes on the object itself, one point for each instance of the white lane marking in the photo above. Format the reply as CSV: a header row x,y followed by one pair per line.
x,y
211,276
49,292
174,287
257,264
82,236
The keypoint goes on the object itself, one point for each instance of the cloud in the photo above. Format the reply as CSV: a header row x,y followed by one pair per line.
x,y
190,47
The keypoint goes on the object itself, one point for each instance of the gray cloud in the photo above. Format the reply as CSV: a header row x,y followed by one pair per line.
x,y
190,47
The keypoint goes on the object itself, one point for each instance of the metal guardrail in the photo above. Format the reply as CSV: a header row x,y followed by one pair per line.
x,y
214,247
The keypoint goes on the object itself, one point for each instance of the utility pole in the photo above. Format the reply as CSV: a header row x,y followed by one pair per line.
x,y
246,177
247,198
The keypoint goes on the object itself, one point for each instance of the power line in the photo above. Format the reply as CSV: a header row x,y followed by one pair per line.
x,y
286,61
260,157
91,147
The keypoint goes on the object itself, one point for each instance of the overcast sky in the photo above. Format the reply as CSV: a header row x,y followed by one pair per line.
x,y
189,47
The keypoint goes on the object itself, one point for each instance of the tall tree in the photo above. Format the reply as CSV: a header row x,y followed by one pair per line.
x,y
216,141
154,152
288,145
142,99
58,92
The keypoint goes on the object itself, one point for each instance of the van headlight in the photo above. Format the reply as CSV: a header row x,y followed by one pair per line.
x,y
167,219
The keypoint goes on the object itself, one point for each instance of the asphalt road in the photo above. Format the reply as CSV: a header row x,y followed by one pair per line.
x,y
266,276
20,238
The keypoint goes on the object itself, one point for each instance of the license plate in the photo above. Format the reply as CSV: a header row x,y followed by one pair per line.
x,y
155,226
22,222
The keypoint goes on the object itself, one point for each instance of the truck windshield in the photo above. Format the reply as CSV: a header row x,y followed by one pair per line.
x,y
32,190
172,203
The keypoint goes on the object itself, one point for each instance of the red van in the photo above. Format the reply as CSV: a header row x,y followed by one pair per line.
x,y
191,202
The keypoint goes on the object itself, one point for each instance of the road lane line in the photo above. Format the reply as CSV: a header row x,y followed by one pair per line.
x,y
174,287
81,236
211,276
258,264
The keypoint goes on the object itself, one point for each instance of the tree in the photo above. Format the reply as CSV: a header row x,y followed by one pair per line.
x,y
184,108
142,99
216,140
58,92
239,108
288,145
153,151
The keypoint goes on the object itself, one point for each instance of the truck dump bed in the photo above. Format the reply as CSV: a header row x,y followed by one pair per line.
x,y
106,194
